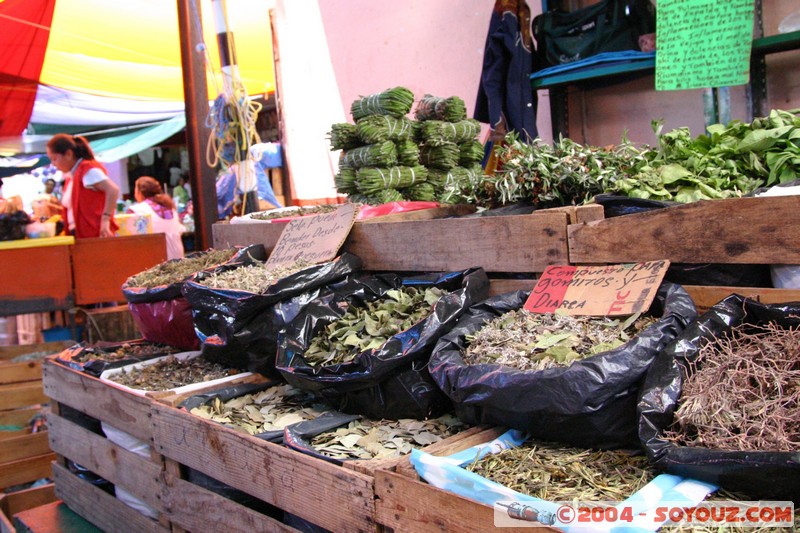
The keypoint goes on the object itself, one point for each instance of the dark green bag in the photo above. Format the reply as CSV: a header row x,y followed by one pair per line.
x,y
608,26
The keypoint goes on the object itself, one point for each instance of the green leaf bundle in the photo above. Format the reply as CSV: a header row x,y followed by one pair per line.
x,y
344,136
372,155
388,195
372,180
396,102
345,181
421,192
407,153
470,153
435,132
378,128
435,108
442,156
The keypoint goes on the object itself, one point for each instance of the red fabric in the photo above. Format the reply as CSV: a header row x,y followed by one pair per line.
x,y
87,204
24,32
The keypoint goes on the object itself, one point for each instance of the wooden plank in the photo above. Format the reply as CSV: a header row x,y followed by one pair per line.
x,y
24,446
101,266
197,509
100,508
736,230
408,505
277,475
106,402
502,286
138,475
227,235
20,372
16,350
15,502
17,418
705,296
26,394
25,470
588,213
50,283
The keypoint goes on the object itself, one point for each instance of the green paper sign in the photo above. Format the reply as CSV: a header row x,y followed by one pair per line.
x,y
703,43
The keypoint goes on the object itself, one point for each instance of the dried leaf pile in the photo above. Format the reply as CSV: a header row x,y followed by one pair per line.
x,y
743,393
380,439
555,473
269,410
299,212
369,327
533,341
252,278
176,271
124,351
171,373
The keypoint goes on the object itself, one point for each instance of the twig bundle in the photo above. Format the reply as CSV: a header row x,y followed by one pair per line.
x,y
396,102
438,132
435,108
470,153
345,181
378,128
442,156
344,136
372,155
371,180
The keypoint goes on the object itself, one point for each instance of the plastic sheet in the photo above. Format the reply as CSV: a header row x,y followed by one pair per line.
x,y
590,403
759,474
390,208
240,328
163,315
387,382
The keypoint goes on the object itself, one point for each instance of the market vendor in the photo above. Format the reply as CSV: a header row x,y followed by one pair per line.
x,y
90,197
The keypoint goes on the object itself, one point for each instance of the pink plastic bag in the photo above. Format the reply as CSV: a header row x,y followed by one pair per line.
x,y
167,322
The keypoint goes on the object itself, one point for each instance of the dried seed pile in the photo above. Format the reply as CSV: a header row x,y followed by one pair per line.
x,y
299,212
743,393
556,473
170,272
171,373
269,410
252,278
368,327
125,351
379,439
532,341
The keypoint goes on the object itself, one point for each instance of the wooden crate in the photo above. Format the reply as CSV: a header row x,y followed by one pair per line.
x,y
35,279
16,502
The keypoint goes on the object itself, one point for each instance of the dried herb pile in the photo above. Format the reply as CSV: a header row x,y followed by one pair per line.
x,y
254,278
269,410
532,341
299,212
124,351
743,393
171,373
379,439
554,473
176,271
368,327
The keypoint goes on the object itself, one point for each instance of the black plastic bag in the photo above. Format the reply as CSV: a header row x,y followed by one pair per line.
x,y
163,315
590,403
391,381
762,475
96,358
240,328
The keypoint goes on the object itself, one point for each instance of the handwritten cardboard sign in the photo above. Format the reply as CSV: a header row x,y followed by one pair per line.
x,y
612,290
315,239
703,43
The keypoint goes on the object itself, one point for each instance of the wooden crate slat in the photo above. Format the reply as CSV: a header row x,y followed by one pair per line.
x,y
197,509
25,470
100,508
138,475
119,408
270,472
12,503
737,230
16,350
502,286
19,417
706,296
16,395
24,446
227,235
20,372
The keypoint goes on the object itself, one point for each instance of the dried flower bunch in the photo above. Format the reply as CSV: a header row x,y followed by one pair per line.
x,y
171,373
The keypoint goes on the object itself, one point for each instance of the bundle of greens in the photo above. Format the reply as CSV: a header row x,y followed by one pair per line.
x,y
407,153
372,155
470,153
372,180
421,192
378,128
345,181
396,102
447,109
434,132
386,196
344,136
454,186
441,156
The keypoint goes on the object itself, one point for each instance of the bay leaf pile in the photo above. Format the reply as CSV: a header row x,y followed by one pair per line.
x,y
175,271
269,410
368,327
255,278
381,439
171,373
555,473
534,341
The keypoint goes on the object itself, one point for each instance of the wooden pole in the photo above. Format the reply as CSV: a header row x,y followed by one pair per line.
x,y
195,93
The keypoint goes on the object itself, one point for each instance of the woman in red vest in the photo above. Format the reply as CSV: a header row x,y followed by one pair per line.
x,y
89,197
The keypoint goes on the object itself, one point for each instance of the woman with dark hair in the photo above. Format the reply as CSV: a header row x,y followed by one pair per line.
x,y
151,200
89,197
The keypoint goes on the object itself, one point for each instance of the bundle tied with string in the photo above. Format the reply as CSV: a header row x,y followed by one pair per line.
x,y
432,107
407,153
372,180
452,185
442,156
344,136
421,192
437,132
378,128
372,155
345,181
395,102
470,153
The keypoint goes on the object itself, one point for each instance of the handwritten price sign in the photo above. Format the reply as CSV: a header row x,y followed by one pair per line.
x,y
613,290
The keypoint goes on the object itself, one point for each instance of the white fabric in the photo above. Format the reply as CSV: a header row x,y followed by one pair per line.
x,y
310,98
171,228
92,177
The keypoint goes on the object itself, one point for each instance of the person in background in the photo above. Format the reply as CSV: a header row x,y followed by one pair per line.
x,y
90,197
152,200
47,204
179,192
